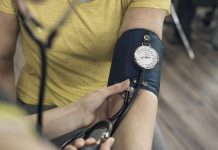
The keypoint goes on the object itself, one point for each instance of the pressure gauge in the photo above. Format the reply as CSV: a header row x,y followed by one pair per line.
x,y
146,57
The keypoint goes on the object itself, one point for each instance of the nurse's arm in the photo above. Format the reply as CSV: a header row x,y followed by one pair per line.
x,y
82,113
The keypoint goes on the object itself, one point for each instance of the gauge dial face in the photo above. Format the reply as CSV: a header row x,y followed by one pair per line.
x,y
146,57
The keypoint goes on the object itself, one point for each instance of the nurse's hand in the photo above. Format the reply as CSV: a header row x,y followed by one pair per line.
x,y
93,104
79,143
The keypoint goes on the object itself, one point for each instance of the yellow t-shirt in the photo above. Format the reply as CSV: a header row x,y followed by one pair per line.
x,y
80,59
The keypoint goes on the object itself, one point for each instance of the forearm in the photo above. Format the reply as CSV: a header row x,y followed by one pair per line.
x,y
139,123
16,132
79,114
61,120
14,141
7,77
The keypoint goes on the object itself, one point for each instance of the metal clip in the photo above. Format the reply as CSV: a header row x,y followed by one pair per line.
x,y
104,137
146,39
144,83
130,89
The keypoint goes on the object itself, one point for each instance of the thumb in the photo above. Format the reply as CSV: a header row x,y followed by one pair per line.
x,y
107,144
116,88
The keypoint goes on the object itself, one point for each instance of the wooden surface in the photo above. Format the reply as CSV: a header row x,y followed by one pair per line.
x,y
188,104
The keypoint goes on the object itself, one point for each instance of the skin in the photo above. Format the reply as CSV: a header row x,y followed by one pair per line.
x,y
145,107
79,143
134,128
145,18
9,31
85,111
15,130
23,140
19,138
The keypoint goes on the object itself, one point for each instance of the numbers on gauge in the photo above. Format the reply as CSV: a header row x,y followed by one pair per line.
x,y
146,57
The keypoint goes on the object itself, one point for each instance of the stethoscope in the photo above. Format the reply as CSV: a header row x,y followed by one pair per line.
x,y
111,124
129,97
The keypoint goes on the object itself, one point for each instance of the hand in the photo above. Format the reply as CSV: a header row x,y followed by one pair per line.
x,y
79,143
92,104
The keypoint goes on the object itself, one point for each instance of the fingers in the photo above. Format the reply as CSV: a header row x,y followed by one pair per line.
x,y
70,147
90,141
107,144
116,88
79,143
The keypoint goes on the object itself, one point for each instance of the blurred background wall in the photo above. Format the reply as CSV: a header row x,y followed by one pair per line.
x,y
188,103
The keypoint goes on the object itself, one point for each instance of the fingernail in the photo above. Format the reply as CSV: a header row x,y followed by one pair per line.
x,y
127,81
91,140
111,141
79,142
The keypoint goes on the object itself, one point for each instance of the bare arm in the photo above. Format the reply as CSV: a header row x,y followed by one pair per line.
x,y
147,18
8,36
138,125
87,110
17,133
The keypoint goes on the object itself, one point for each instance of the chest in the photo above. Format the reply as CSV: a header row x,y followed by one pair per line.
x,y
91,30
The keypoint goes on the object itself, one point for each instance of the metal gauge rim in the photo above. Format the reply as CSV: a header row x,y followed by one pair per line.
x,y
146,49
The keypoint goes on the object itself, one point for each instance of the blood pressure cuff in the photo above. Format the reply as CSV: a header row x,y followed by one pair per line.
x,y
123,64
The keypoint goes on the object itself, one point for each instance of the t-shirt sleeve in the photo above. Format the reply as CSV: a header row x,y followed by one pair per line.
x,y
7,6
160,4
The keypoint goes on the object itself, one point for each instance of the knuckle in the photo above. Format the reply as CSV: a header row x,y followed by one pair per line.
x,y
117,86
79,140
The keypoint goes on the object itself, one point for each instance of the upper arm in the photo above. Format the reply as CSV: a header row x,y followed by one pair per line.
x,y
147,18
8,35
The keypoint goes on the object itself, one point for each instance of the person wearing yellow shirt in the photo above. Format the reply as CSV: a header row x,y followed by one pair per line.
x,y
79,61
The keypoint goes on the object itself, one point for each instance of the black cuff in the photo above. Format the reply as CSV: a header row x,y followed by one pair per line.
x,y
123,64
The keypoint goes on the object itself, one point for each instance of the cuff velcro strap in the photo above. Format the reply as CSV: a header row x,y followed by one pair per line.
x,y
124,66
